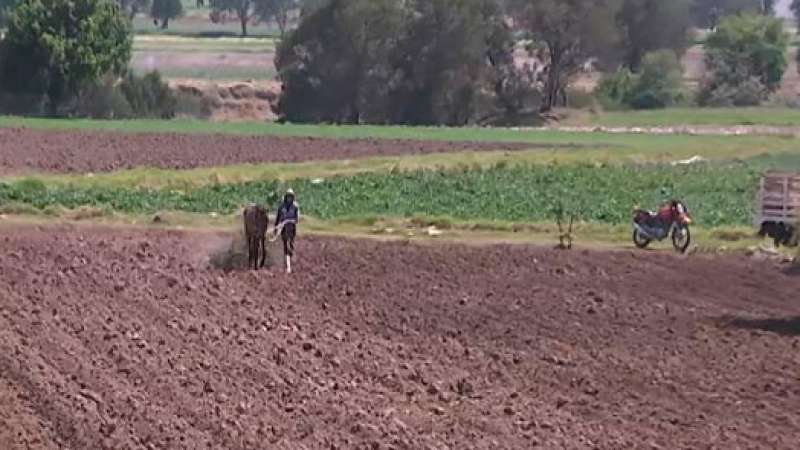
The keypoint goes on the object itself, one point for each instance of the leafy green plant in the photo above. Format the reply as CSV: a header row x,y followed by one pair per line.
x,y
659,84
103,101
56,47
717,194
149,96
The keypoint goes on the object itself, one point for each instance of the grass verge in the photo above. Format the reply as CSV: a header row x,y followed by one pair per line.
x,y
756,116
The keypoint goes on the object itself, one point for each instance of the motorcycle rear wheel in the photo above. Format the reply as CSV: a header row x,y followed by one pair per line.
x,y
681,238
640,240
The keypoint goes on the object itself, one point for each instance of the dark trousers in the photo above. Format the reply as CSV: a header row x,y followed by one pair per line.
x,y
287,235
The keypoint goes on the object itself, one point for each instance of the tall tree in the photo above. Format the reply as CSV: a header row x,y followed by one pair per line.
x,y
708,13
243,9
134,7
277,11
566,34
166,10
334,65
746,53
56,46
447,60
413,62
649,25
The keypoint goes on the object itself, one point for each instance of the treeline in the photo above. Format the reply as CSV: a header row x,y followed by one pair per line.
x,y
458,62
282,13
452,62
72,57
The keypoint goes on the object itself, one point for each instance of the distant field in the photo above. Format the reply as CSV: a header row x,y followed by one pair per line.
x,y
600,147
220,73
198,24
160,43
205,58
761,116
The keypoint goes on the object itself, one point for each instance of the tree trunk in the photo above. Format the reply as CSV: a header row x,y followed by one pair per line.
x,y
281,22
244,16
635,59
551,88
553,83
165,23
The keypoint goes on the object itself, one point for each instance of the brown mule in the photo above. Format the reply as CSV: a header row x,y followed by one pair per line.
x,y
255,230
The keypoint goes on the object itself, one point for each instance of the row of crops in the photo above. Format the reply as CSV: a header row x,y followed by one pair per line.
x,y
717,194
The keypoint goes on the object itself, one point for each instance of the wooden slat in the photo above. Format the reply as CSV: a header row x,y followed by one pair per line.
x,y
779,197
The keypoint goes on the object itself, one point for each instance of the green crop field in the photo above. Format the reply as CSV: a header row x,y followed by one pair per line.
x,y
719,194
604,175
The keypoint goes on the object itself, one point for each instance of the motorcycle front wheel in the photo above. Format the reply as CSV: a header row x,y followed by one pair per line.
x,y
681,238
640,240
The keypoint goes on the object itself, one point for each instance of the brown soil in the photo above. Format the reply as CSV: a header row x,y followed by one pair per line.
x,y
25,150
124,339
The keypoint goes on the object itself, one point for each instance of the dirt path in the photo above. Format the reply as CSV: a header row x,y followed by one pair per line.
x,y
695,130
124,339
66,151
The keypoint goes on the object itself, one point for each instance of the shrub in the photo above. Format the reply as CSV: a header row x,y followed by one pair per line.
x,y
103,101
615,89
21,104
749,92
164,10
149,96
579,98
658,85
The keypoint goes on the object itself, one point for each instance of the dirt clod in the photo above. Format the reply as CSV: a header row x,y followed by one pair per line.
x,y
398,365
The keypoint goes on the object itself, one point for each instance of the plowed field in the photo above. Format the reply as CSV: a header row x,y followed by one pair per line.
x,y
126,339
25,150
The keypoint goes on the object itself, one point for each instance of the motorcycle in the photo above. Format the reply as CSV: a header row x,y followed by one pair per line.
x,y
649,226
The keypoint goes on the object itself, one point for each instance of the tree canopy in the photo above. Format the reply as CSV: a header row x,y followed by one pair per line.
x,y
244,10
747,59
166,10
6,6
709,13
648,25
566,34
54,47
415,62
277,11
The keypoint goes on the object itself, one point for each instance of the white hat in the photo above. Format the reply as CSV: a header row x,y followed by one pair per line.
x,y
290,191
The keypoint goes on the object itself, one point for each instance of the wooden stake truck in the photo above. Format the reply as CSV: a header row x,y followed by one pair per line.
x,y
778,207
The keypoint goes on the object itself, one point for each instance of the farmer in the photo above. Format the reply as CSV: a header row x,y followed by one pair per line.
x,y
286,223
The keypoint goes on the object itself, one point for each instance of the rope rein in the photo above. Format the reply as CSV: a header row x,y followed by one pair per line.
x,y
277,231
